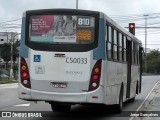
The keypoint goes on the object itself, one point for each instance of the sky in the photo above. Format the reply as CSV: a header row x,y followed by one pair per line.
x,y
122,11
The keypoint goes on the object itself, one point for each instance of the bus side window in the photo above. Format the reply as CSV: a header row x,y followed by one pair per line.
x,y
120,54
137,54
133,52
124,48
109,42
110,34
115,47
109,50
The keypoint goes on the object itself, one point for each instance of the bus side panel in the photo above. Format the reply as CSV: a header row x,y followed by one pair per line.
x,y
108,95
96,96
115,75
118,76
110,80
134,79
118,80
124,80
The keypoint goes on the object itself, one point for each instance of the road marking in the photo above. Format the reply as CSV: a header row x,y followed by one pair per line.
x,y
145,100
23,105
7,108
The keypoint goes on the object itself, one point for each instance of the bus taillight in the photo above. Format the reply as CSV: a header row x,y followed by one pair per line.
x,y
97,70
95,76
24,73
23,67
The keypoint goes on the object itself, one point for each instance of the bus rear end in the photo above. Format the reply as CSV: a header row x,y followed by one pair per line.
x,y
57,61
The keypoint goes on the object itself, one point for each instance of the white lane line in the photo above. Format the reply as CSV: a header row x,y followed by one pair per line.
x,y
6,108
145,100
22,105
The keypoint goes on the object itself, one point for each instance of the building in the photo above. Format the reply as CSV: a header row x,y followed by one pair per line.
x,y
7,37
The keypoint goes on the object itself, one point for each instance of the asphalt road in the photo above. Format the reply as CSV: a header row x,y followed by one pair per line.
x,y
10,102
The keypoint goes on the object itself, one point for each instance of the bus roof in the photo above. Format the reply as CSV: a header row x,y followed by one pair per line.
x,y
114,24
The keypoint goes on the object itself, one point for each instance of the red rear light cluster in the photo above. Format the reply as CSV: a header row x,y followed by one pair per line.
x,y
24,73
95,76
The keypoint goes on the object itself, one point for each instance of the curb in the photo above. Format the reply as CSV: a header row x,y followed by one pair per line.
x,y
147,102
10,85
150,106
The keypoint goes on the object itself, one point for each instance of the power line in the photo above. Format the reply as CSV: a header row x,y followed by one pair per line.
x,y
10,21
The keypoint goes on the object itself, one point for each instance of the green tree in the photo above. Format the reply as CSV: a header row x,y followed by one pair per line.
x,y
153,61
15,56
5,52
15,51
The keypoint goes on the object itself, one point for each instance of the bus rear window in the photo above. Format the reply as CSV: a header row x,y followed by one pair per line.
x,y
62,29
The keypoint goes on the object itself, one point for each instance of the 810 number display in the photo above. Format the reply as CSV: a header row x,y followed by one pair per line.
x,y
84,21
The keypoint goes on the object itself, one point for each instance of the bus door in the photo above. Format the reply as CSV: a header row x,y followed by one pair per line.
x,y
140,62
129,61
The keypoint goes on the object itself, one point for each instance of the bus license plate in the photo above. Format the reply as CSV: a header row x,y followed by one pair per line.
x,y
59,85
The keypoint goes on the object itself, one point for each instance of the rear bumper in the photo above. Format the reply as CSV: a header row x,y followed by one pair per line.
x,y
96,96
59,97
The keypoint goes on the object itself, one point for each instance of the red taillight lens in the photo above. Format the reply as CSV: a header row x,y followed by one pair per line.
x,y
24,75
95,76
24,72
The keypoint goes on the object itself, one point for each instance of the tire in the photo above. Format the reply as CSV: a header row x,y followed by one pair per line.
x,y
60,108
119,106
132,100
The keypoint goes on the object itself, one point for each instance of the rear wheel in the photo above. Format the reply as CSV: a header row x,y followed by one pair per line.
x,y
119,106
132,100
60,108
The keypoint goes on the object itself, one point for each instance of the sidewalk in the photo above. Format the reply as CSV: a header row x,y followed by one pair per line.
x,y
10,85
152,105
155,104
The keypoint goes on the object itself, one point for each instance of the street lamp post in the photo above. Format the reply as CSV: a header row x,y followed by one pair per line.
x,y
0,65
76,4
12,42
11,69
145,41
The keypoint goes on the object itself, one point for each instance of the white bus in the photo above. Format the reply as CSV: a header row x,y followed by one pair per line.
x,y
70,57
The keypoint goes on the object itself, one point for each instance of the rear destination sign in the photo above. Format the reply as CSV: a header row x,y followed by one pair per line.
x,y
84,34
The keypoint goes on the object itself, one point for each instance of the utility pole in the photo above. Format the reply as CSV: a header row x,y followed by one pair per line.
x,y
145,41
0,65
13,35
76,4
11,69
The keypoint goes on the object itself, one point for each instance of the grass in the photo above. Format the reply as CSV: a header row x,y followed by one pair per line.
x,y
7,80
